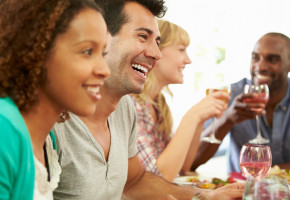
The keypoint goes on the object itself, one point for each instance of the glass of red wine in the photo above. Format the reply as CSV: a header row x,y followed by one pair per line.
x,y
255,160
261,95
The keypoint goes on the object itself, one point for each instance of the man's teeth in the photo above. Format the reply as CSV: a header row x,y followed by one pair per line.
x,y
140,68
93,90
261,77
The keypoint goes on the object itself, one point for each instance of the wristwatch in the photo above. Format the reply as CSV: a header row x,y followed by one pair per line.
x,y
199,196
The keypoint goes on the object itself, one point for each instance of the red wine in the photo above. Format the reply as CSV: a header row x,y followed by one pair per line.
x,y
260,98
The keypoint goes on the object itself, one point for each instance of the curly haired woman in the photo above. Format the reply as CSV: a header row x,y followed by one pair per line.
x,y
51,60
157,151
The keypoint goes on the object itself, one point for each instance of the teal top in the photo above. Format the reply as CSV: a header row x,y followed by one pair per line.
x,y
17,170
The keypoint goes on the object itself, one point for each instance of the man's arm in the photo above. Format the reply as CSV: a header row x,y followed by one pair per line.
x,y
146,185
207,150
284,165
237,112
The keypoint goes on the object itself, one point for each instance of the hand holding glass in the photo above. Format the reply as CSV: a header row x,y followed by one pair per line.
x,y
212,138
262,96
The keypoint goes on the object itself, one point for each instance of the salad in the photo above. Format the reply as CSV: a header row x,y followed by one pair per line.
x,y
213,184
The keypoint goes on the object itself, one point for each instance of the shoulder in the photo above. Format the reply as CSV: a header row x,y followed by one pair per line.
x,y
126,105
238,87
13,127
10,114
240,84
139,106
15,143
125,113
64,133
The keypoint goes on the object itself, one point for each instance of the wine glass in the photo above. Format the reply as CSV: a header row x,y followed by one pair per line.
x,y
262,96
211,138
255,160
272,187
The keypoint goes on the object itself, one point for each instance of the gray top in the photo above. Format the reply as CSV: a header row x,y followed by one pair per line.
x,y
85,173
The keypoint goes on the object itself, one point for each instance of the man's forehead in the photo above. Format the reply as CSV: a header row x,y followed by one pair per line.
x,y
270,44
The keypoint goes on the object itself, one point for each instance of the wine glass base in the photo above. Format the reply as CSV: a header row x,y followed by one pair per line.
x,y
259,141
211,140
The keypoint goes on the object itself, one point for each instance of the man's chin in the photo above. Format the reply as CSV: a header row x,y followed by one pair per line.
x,y
138,90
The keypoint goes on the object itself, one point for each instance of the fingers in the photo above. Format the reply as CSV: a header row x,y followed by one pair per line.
x,y
250,108
242,102
237,186
231,191
221,96
168,197
210,107
237,189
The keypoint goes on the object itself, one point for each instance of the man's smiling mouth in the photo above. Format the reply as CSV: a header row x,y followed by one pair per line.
x,y
140,69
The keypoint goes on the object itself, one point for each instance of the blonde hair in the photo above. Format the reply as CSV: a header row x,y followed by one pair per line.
x,y
170,34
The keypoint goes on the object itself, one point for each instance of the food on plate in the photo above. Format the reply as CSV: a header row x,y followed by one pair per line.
x,y
281,172
213,184
193,179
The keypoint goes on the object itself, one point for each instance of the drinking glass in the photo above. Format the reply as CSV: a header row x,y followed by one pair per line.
x,y
272,187
262,96
212,138
255,160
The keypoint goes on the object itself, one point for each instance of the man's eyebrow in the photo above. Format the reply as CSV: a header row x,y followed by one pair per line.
x,y
268,55
150,32
274,55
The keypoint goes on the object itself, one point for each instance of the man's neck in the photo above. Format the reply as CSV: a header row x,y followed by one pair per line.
x,y
105,107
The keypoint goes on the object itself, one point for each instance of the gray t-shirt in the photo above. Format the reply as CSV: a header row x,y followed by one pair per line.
x,y
85,173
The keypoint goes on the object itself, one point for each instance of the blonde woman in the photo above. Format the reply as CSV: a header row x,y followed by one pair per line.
x,y
157,151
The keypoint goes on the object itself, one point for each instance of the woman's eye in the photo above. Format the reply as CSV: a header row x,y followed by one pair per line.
x,y
88,51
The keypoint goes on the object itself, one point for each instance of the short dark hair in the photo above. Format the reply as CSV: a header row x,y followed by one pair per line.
x,y
28,32
114,14
282,36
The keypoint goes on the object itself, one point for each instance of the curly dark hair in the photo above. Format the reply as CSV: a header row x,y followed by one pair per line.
x,y
28,31
115,16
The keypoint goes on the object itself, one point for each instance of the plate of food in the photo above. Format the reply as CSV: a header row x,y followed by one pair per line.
x,y
276,170
202,182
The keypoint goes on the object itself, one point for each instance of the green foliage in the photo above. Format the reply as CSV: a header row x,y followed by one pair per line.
x,y
219,54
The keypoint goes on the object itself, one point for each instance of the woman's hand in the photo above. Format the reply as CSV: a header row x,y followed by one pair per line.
x,y
213,105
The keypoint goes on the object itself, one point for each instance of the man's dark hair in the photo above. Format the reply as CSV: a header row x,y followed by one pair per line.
x,y
115,16
282,36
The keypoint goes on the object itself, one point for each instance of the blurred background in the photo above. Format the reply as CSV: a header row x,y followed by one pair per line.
x,y
223,34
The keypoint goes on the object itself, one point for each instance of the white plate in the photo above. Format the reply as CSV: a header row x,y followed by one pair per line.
x,y
182,180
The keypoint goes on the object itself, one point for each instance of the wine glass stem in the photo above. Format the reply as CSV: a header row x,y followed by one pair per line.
x,y
213,128
258,126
